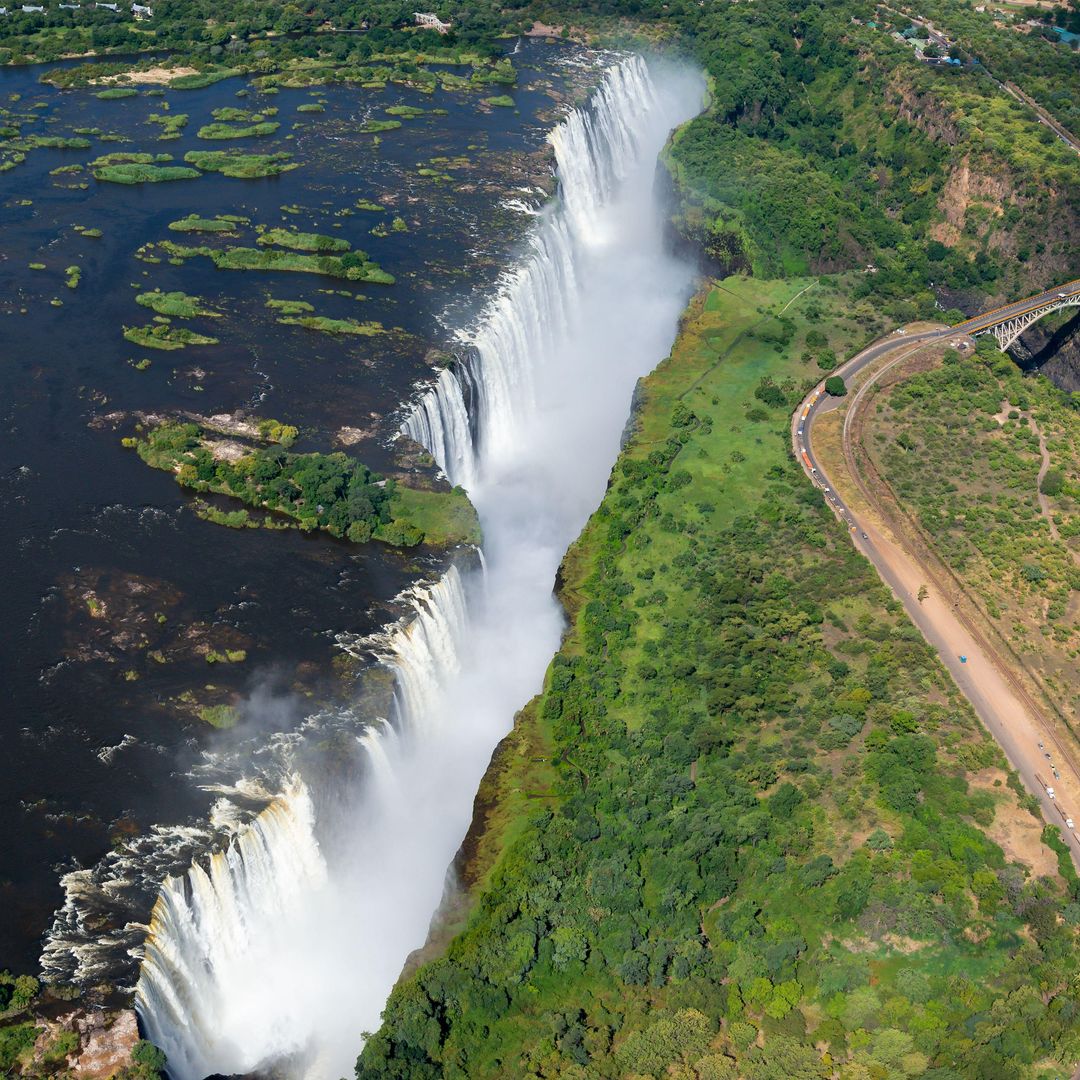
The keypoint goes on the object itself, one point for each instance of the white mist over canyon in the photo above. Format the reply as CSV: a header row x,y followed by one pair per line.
x,y
282,950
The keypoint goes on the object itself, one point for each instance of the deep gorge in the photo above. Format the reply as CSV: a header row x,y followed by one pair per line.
x,y
332,901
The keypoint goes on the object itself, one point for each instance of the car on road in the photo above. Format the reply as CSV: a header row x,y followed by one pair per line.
x,y
1057,775
1040,746
865,537
1069,823
1050,793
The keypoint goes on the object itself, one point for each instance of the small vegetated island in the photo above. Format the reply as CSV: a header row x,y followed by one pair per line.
x,y
241,166
220,130
280,249
124,168
220,223
332,492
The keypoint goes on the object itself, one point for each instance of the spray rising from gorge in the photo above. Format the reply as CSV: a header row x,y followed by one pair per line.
x,y
283,949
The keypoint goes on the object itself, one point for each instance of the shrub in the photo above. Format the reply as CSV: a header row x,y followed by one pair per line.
x,y
1052,482
148,1055
13,1041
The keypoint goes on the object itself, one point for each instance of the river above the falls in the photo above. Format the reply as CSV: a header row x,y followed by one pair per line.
x,y
115,592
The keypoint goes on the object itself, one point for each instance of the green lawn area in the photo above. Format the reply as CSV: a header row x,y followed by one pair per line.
x,y
442,518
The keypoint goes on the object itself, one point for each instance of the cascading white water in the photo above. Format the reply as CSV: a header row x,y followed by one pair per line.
x,y
285,956
524,332
251,911
227,919
424,651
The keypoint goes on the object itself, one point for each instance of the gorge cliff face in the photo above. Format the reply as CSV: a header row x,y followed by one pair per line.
x,y
694,230
1053,352
81,1039
989,200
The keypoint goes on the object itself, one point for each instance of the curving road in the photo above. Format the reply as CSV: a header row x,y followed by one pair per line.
x,y
942,41
1001,702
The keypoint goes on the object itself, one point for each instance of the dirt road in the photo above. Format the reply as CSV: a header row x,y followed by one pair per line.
x,y
1029,740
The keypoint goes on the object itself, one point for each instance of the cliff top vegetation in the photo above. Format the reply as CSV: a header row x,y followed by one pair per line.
x,y
750,828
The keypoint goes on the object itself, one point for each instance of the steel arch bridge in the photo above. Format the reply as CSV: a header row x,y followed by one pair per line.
x,y
1011,322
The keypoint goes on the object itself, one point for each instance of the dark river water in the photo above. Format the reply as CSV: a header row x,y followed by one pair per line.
x,y
114,590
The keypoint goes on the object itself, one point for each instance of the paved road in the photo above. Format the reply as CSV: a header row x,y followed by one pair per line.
x,y
943,41
1010,311
1003,706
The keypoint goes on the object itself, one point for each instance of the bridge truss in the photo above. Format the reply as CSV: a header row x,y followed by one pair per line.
x,y
1008,330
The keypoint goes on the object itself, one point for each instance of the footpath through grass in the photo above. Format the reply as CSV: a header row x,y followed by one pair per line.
x,y
748,828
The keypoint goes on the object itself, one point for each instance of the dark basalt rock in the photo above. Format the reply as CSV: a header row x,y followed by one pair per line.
x,y
1053,353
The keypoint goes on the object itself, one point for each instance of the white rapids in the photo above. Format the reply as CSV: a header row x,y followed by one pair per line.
x,y
280,953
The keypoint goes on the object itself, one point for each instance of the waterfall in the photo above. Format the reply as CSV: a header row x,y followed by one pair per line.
x,y
219,924
281,951
597,148
233,922
375,741
538,301
423,651
440,422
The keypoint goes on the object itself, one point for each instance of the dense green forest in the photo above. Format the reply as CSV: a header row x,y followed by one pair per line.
x,y
827,144
748,829
847,150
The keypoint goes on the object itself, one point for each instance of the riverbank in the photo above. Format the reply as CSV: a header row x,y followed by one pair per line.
x,y
748,808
